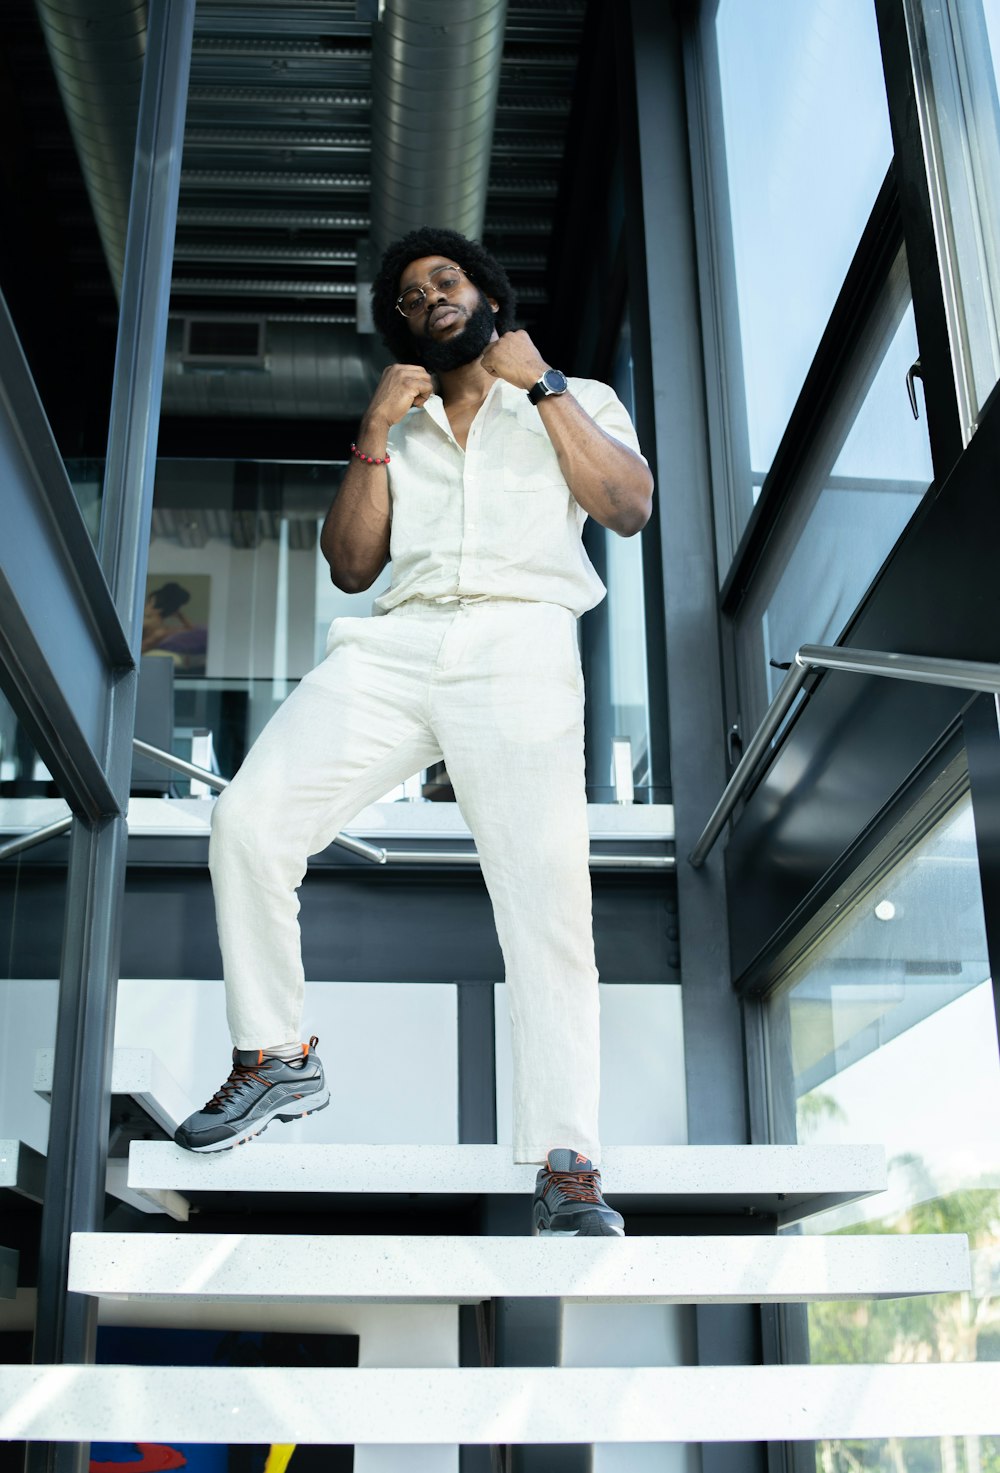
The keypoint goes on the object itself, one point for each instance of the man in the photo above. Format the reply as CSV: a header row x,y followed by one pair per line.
x,y
475,468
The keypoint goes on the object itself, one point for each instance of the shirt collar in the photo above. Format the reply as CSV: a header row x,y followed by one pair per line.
x,y
434,406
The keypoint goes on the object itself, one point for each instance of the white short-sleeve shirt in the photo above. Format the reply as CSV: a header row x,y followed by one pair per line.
x,y
496,520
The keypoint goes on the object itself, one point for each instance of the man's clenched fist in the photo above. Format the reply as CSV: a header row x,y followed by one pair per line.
x,y
402,387
515,358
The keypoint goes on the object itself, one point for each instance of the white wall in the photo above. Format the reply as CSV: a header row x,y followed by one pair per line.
x,y
243,604
389,1050
643,1098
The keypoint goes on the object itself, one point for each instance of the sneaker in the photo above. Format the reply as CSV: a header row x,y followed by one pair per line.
x,y
261,1088
568,1201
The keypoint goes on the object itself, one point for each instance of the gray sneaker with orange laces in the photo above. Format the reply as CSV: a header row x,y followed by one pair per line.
x,y
260,1088
568,1201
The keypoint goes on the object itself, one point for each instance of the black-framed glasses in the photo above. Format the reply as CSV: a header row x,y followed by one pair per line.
x,y
443,281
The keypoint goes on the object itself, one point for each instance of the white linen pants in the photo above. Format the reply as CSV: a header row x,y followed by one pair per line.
x,y
495,688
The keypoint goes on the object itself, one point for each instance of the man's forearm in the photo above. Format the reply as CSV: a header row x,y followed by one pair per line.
x,y
611,482
355,536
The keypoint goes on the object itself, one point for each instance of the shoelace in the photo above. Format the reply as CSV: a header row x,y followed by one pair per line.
x,y
239,1077
578,1186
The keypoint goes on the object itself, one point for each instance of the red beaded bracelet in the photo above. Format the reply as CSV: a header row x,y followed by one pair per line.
x,y
370,459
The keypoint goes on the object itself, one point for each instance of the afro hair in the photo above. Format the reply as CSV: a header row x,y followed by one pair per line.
x,y
481,268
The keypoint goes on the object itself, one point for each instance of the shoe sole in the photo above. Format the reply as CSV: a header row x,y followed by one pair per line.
x,y
612,1232
319,1101
591,1226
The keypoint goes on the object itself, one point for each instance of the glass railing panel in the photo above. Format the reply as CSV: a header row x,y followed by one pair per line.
x,y
87,479
32,905
239,604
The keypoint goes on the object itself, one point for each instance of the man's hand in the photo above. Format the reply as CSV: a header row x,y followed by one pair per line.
x,y
515,358
355,536
402,387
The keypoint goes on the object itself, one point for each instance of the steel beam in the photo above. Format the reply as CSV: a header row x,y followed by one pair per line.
x,y
142,334
61,642
66,1323
673,427
672,423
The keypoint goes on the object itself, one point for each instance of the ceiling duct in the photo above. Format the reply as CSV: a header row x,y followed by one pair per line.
x,y
435,80
97,49
306,370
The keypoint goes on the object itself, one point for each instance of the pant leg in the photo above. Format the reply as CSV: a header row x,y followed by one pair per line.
x,y
507,704
350,731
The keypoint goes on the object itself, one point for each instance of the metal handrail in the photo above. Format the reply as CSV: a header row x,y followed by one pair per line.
x,y
37,836
213,780
973,675
373,852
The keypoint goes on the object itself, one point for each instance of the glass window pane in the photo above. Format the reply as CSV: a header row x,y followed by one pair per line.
x,y
955,45
887,1034
807,146
623,576
863,480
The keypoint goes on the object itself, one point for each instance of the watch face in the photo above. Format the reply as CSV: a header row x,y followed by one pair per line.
x,y
554,381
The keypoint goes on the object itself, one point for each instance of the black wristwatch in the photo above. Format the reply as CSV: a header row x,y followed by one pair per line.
x,y
551,382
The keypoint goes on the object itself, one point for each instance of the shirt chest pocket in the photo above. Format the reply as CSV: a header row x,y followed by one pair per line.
x,y
529,460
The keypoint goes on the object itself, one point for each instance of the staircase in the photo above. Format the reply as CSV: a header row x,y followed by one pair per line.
x,y
411,1402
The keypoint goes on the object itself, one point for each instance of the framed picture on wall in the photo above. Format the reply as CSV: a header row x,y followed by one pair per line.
x,y
175,619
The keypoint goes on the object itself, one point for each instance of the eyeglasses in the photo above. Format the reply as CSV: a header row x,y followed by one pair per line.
x,y
443,281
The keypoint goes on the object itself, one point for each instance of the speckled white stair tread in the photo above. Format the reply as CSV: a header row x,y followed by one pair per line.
x,y
785,1179
22,1170
501,1405
190,817
749,1268
186,816
137,1072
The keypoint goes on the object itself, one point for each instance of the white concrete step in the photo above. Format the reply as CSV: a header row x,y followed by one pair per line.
x,y
138,1073
789,1182
22,1170
213,1267
496,1406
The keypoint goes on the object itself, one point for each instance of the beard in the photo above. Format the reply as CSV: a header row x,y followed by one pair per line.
x,y
462,348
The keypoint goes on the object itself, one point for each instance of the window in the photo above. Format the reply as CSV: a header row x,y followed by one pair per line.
x,y
954,46
862,480
807,146
887,1033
